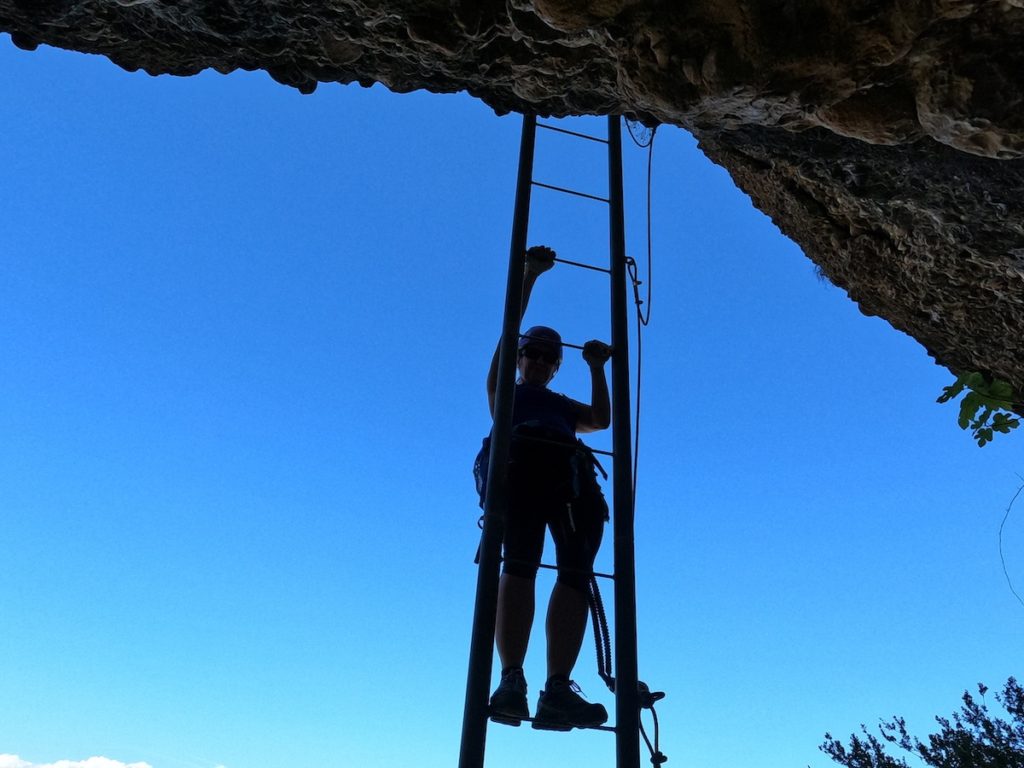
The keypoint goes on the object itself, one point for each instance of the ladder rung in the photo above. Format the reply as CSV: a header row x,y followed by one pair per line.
x,y
547,340
585,266
607,728
573,133
548,567
570,192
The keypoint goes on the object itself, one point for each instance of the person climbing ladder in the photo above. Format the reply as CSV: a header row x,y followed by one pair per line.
x,y
552,485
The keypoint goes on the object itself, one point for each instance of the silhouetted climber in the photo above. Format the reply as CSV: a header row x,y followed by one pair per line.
x,y
552,484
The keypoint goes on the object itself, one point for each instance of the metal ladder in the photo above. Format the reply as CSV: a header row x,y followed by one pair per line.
x,y
478,684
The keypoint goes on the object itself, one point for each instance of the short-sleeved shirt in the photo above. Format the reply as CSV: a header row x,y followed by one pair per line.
x,y
539,416
539,406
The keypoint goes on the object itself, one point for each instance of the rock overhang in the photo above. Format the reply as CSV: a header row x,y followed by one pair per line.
x,y
886,139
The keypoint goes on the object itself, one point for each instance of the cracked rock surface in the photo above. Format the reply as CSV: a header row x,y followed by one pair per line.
x,y
886,138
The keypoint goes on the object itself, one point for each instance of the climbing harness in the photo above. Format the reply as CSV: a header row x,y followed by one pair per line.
x,y
581,459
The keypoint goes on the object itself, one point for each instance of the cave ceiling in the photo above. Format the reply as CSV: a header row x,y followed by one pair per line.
x,y
885,138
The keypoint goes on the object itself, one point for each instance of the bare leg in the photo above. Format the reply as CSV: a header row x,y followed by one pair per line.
x,y
566,625
515,619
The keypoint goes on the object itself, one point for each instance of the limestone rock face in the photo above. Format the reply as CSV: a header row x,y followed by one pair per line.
x,y
886,138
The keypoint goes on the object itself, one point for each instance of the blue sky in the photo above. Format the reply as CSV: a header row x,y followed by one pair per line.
x,y
244,336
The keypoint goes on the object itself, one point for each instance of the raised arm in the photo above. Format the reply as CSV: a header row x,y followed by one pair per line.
x,y
597,415
539,259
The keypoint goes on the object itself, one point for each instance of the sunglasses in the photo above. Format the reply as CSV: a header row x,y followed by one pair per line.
x,y
540,353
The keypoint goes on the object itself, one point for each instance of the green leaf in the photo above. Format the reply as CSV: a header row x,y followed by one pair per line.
x,y
975,380
1002,422
1003,392
952,391
999,422
982,420
968,407
987,406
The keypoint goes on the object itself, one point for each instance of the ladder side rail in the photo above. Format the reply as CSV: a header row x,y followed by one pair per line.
x,y
481,655
627,701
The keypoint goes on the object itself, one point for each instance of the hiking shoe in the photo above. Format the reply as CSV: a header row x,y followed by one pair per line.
x,y
562,708
508,702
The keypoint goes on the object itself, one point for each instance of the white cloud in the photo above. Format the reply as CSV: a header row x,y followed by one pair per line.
x,y
13,761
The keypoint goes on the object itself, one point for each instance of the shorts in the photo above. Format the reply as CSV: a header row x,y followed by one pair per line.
x,y
547,492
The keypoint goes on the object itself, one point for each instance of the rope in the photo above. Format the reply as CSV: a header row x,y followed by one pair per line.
x,y
603,647
1002,558
647,133
602,637
642,319
657,756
